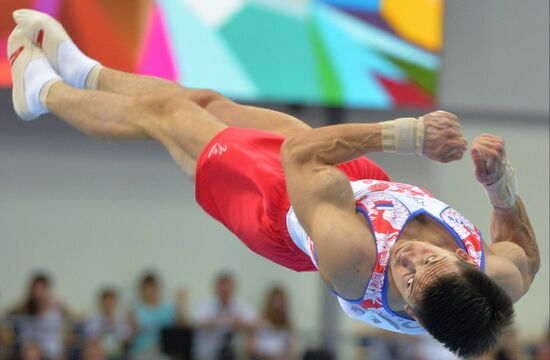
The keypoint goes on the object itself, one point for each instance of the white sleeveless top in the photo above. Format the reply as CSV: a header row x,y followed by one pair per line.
x,y
388,207
46,329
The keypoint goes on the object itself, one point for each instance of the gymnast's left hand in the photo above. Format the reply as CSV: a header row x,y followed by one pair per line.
x,y
489,157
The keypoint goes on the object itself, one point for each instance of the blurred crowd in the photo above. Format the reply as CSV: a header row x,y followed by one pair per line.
x,y
223,327
41,326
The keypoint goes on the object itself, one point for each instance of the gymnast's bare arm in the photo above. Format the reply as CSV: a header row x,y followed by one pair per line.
x,y
324,204
322,196
513,259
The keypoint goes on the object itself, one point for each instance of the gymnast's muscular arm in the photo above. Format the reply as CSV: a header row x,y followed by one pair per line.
x,y
513,259
323,200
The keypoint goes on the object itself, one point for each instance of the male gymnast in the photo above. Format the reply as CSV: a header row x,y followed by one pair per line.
x,y
307,199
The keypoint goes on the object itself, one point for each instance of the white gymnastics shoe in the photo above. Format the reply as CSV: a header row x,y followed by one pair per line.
x,y
76,69
32,76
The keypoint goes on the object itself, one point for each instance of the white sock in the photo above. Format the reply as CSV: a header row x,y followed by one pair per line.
x,y
75,66
38,78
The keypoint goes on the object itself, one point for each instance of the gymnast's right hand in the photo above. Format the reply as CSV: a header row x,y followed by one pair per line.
x,y
443,137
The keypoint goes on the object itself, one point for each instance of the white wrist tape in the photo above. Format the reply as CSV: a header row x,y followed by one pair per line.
x,y
504,192
403,136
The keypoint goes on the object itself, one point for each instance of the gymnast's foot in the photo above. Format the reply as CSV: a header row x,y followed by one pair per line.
x,y
76,69
32,76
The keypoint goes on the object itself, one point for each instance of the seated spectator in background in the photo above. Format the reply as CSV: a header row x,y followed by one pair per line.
x,y
6,336
273,339
149,316
32,351
427,348
107,328
218,319
381,344
94,350
542,351
509,348
40,319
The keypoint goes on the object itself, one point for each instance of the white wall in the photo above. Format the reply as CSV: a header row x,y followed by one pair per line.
x,y
496,56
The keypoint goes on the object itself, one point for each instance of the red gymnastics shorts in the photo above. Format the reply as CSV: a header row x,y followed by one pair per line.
x,y
240,182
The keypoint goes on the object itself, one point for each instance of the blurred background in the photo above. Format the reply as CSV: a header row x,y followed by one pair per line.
x,y
104,253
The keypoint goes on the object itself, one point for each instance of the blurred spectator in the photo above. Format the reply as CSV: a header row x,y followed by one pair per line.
x,y
273,338
379,344
509,348
219,319
5,339
93,350
107,328
40,320
540,348
427,348
32,351
149,316
542,351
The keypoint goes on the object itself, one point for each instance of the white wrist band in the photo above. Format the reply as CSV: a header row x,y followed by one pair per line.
x,y
504,192
403,136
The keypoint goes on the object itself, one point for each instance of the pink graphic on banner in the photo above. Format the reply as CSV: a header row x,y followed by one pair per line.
x,y
50,7
3,46
156,56
5,72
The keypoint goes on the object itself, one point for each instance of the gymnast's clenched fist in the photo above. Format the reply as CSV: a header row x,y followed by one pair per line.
x,y
489,158
443,137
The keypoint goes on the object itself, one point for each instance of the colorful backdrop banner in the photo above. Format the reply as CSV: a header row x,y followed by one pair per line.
x,y
379,54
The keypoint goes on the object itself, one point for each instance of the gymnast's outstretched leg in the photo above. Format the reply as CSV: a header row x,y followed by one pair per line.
x,y
226,110
82,72
181,125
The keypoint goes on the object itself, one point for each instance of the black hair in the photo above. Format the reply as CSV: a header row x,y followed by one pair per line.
x,y
107,292
30,305
224,276
467,311
149,278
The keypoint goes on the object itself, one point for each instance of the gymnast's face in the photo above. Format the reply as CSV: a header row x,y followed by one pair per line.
x,y
415,264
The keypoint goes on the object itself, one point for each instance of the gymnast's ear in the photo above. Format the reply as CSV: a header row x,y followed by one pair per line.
x,y
409,310
463,255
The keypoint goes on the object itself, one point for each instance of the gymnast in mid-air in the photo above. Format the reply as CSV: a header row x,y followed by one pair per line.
x,y
396,257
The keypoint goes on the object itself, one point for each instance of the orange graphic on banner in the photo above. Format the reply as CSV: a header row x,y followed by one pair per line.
x,y
419,21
